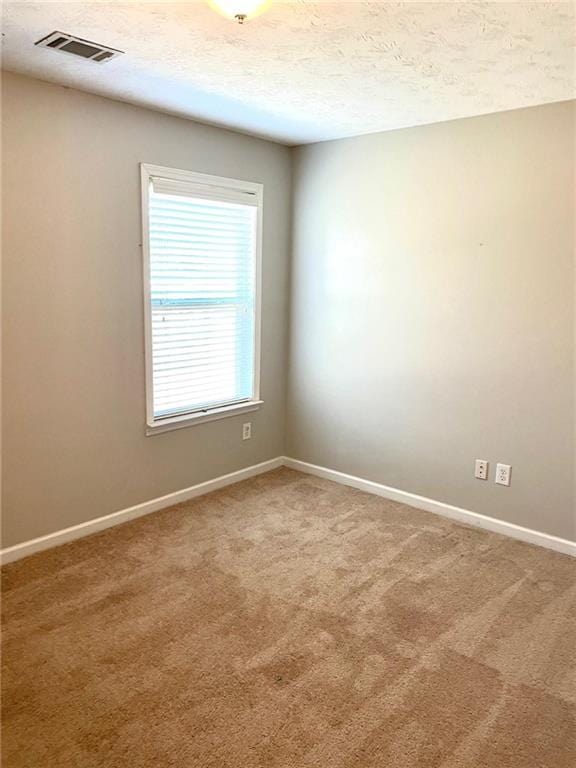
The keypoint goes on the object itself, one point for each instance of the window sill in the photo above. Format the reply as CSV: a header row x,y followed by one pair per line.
x,y
190,420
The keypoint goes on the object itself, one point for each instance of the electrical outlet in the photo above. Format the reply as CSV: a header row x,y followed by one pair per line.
x,y
247,430
503,472
481,469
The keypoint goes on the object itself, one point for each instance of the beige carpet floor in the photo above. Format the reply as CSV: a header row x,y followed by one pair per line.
x,y
288,622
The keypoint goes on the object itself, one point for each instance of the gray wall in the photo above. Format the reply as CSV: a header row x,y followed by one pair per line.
x,y
432,311
73,434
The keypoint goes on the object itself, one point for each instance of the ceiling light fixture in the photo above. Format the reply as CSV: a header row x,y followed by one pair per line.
x,y
240,10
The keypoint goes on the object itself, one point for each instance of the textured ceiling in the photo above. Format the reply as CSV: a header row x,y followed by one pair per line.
x,y
307,71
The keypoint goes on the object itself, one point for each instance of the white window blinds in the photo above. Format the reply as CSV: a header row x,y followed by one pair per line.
x,y
202,242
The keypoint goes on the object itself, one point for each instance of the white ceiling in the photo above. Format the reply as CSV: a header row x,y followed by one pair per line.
x,y
309,71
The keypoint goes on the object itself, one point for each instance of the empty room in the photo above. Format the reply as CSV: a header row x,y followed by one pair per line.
x,y
288,384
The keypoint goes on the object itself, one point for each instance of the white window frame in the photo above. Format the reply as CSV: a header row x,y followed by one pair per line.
x,y
155,425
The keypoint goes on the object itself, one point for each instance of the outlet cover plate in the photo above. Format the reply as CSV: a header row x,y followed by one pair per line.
x,y
503,472
481,469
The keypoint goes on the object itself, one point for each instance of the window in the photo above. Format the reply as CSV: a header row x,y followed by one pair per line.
x,y
201,291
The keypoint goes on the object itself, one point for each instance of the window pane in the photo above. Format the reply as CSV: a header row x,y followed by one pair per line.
x,y
203,301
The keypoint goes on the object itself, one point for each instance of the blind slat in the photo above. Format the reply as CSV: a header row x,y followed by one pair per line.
x,y
202,286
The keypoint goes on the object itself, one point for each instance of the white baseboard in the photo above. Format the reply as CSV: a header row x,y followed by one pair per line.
x,y
474,519
439,508
18,551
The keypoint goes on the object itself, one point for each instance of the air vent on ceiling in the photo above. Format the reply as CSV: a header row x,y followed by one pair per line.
x,y
76,46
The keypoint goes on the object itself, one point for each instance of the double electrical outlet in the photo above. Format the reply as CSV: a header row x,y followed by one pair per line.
x,y
503,472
